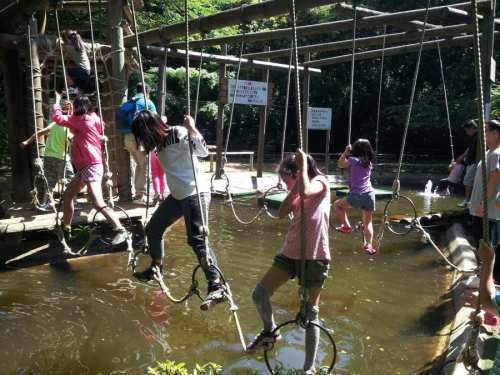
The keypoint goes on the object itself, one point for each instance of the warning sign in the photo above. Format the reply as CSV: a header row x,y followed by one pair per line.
x,y
248,92
319,118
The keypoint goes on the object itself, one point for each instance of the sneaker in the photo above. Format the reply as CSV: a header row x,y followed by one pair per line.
x,y
67,235
119,236
264,339
463,204
216,294
490,319
141,200
344,229
369,249
148,274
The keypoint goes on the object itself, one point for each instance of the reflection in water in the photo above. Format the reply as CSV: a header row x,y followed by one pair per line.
x,y
89,317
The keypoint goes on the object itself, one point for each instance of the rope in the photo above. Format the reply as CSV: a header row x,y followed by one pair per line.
x,y
287,99
107,172
351,87
379,102
198,84
8,6
412,97
445,94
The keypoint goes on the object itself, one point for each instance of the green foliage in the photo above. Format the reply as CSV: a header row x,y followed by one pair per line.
x,y
173,368
495,101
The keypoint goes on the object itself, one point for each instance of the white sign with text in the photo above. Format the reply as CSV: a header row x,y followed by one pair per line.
x,y
319,118
248,92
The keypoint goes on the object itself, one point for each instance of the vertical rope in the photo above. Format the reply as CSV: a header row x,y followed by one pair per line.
x,y
198,84
188,87
379,102
107,171
445,94
287,101
412,97
353,62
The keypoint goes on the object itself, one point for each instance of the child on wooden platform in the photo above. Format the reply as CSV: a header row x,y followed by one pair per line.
x,y
304,181
86,154
76,51
358,159
56,161
172,146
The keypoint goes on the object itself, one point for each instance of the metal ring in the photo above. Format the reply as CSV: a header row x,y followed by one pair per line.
x,y
413,215
323,329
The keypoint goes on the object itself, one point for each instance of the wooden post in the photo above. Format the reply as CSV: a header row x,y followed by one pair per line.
x,y
305,104
488,29
15,94
37,83
120,86
220,122
262,127
162,81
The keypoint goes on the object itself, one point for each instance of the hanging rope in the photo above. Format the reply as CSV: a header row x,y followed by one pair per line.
x,y
198,84
445,94
287,99
351,86
379,102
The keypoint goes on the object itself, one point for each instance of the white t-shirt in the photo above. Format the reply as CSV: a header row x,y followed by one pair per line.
x,y
174,157
492,163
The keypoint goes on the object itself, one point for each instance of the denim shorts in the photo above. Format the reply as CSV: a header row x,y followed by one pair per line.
x,y
316,270
364,201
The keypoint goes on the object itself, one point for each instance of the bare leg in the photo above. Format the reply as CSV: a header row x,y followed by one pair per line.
x,y
72,190
312,331
340,207
367,227
95,191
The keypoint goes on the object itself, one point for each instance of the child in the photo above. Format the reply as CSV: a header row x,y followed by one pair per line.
x,y
447,185
77,52
54,162
304,181
86,154
493,190
173,152
358,159
158,175
470,159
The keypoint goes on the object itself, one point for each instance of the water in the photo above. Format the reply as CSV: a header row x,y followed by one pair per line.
x,y
91,318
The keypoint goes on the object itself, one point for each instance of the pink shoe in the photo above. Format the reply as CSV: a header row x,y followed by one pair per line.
x,y
490,319
369,249
344,229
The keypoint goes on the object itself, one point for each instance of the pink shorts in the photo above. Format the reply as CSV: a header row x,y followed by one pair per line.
x,y
90,173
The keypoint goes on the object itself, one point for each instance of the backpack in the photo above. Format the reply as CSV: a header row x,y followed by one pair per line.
x,y
125,115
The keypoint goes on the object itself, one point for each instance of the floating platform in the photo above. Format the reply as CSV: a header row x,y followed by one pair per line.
x,y
379,193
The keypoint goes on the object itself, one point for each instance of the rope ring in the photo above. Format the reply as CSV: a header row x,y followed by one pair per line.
x,y
295,321
413,217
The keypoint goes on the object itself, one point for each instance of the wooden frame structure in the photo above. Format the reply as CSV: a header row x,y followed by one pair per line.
x,y
449,25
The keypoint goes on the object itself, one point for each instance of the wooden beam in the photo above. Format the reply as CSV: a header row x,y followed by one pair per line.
x,y
230,17
443,31
320,28
152,51
398,50
79,5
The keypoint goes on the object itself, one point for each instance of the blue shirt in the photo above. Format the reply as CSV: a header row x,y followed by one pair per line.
x,y
139,106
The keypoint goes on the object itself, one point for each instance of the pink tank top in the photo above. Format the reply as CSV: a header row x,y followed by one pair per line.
x,y
317,214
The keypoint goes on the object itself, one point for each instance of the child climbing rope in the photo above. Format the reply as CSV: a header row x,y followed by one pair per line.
x,y
172,144
358,159
79,76
86,154
56,162
298,170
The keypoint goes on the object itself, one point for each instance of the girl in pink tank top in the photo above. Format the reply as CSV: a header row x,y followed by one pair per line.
x,y
304,181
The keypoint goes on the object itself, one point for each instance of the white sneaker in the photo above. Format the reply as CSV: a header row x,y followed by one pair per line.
x,y
463,204
142,201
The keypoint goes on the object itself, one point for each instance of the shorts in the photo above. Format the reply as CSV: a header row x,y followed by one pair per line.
x,y
91,173
53,168
470,172
364,201
316,270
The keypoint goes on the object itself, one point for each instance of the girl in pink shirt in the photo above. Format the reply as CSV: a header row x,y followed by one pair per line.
x,y
86,154
296,171
358,159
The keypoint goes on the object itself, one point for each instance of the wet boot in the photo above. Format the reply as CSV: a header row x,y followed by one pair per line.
x,y
148,274
216,294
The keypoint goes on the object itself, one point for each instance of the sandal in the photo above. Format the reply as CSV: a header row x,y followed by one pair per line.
x,y
344,229
369,249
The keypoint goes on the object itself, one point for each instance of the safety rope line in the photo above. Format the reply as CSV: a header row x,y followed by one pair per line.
x,y
445,95
353,62
396,184
107,171
379,101
287,100
198,83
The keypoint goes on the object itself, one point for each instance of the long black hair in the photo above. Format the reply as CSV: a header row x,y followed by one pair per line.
x,y
72,37
363,150
149,129
82,106
290,167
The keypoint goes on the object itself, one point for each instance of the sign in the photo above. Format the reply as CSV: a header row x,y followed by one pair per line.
x,y
248,92
319,118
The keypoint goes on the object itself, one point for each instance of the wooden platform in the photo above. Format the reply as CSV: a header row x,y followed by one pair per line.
x,y
274,200
26,218
379,193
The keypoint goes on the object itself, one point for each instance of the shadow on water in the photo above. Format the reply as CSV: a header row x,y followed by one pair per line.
x,y
87,316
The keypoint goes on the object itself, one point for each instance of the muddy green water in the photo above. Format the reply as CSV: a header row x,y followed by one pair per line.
x,y
92,318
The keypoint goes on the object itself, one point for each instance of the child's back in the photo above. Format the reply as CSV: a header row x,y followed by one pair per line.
x,y
360,175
